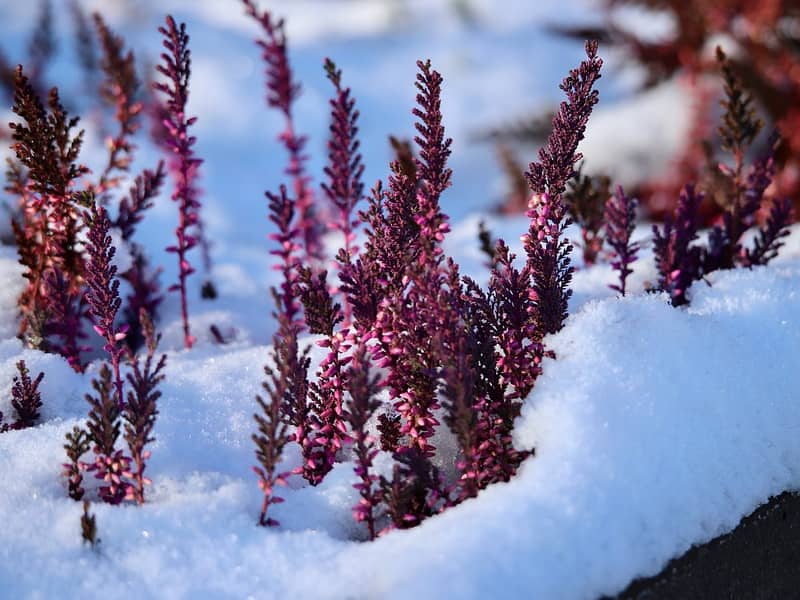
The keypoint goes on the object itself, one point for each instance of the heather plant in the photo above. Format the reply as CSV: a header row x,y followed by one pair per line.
x,y
141,409
620,218
103,290
78,444
678,260
47,233
444,347
25,397
184,165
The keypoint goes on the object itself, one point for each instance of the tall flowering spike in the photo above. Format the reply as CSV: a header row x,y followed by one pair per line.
x,y
176,67
119,88
363,403
273,432
557,159
282,92
321,313
547,250
286,388
434,150
620,217
142,407
678,262
744,190
344,170
25,397
110,465
770,236
103,292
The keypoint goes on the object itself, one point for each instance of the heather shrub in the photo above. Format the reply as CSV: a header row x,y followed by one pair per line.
x,y
401,318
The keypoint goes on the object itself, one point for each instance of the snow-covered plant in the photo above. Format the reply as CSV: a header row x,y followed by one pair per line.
x,y
103,290
679,262
282,92
546,248
184,165
25,397
141,409
620,218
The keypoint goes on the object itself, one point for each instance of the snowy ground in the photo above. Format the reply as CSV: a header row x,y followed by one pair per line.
x,y
655,428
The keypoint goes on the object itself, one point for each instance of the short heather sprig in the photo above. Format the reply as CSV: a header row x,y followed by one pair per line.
x,y
141,408
78,444
110,465
25,397
678,262
771,235
620,217
547,250
282,92
176,67
103,291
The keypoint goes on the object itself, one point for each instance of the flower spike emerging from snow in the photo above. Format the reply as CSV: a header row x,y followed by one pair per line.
x,y
678,262
620,217
183,163
141,409
103,292
25,397
547,250
110,465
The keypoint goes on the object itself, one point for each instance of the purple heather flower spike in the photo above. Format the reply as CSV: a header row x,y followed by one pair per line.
x,y
184,165
282,92
620,217
679,263
103,292
547,250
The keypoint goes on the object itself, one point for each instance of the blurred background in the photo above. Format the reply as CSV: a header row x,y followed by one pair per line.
x,y
653,130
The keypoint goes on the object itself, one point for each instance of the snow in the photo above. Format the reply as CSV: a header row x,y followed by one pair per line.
x,y
655,428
